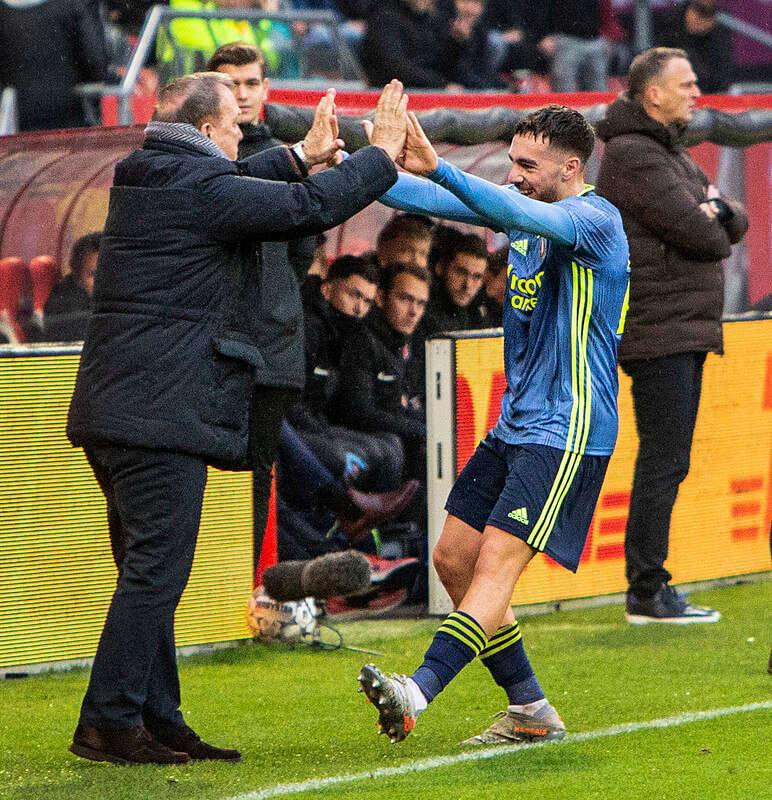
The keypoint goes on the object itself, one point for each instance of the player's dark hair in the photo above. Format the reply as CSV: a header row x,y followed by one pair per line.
x,y
563,127
236,54
194,99
647,66
394,270
410,226
365,266
82,247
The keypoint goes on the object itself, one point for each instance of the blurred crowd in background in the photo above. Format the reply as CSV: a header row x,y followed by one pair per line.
x,y
47,47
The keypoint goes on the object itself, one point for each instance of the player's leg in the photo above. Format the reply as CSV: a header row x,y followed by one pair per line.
x,y
459,639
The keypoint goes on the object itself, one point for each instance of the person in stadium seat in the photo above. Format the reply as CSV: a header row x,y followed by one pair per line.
x,y
47,47
693,28
479,57
67,309
568,35
405,239
375,392
490,301
459,261
407,38
338,313
679,229
168,363
532,484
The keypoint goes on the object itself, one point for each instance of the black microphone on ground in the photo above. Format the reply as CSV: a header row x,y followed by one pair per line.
x,y
331,575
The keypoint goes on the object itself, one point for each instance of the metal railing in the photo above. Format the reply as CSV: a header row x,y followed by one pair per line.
x,y
320,30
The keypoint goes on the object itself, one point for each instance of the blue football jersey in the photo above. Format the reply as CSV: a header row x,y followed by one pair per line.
x,y
563,318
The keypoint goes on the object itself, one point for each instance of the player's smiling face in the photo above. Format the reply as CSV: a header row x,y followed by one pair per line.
x,y
537,168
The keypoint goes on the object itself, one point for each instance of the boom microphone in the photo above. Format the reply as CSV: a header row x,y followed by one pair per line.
x,y
331,575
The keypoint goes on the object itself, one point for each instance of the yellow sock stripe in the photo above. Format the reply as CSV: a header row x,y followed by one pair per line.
x,y
560,486
465,630
502,639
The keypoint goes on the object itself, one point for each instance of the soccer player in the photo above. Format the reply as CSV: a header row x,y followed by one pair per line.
x,y
532,484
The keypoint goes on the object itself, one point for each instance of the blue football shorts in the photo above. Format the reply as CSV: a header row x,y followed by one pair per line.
x,y
542,495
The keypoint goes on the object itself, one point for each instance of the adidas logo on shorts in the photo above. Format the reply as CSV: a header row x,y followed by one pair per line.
x,y
519,515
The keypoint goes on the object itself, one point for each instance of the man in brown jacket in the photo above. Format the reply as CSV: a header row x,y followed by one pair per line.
x,y
679,229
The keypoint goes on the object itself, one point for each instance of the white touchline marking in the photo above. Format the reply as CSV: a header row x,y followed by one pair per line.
x,y
495,751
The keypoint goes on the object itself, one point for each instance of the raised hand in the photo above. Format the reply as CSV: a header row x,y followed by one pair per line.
x,y
322,143
418,156
389,126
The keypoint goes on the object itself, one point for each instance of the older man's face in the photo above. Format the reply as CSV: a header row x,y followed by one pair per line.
x,y
225,131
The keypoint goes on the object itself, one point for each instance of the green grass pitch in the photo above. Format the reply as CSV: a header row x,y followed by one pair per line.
x,y
305,732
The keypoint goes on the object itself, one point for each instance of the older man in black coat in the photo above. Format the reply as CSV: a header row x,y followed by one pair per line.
x,y
167,369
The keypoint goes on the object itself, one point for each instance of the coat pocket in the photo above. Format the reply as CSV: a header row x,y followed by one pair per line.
x,y
230,384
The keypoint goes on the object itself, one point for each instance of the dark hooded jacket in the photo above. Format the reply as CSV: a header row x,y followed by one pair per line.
x,y
165,365
676,278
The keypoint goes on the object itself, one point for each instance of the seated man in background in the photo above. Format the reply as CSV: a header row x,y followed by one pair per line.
x,y
405,239
459,261
336,313
67,310
490,301
373,460
375,393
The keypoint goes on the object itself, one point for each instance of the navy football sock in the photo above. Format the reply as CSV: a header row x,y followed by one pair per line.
x,y
458,641
505,658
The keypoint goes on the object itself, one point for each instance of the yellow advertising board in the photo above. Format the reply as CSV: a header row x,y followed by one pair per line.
x,y
721,522
56,571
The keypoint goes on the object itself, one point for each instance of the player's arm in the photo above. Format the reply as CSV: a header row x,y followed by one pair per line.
x,y
506,209
502,208
419,196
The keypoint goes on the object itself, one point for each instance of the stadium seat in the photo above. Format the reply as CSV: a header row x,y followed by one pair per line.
x,y
45,275
15,297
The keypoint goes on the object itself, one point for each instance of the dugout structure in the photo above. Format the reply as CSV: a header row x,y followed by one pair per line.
x,y
56,573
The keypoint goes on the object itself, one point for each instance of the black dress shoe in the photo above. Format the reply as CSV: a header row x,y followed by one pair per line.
x,y
186,740
124,746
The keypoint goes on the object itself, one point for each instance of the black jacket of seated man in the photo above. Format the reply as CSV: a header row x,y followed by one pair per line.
x,y
326,330
66,312
442,314
376,391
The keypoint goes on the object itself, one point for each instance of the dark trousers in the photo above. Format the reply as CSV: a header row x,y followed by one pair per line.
x,y
666,396
268,407
154,503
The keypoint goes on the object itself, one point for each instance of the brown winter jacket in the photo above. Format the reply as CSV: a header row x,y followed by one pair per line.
x,y
676,278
